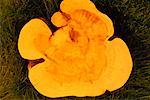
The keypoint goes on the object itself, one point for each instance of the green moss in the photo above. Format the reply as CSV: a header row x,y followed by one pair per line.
x,y
131,19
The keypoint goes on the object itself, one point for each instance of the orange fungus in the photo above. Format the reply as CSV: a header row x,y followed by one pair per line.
x,y
77,59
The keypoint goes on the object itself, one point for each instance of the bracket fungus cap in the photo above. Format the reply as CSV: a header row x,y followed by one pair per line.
x,y
77,59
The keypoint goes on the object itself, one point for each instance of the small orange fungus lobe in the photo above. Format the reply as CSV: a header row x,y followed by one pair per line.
x,y
58,19
77,59
31,37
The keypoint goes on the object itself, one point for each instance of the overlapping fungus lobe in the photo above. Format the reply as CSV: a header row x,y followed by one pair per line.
x,y
60,19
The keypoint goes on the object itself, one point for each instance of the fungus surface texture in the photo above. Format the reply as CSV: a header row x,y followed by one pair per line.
x,y
77,59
